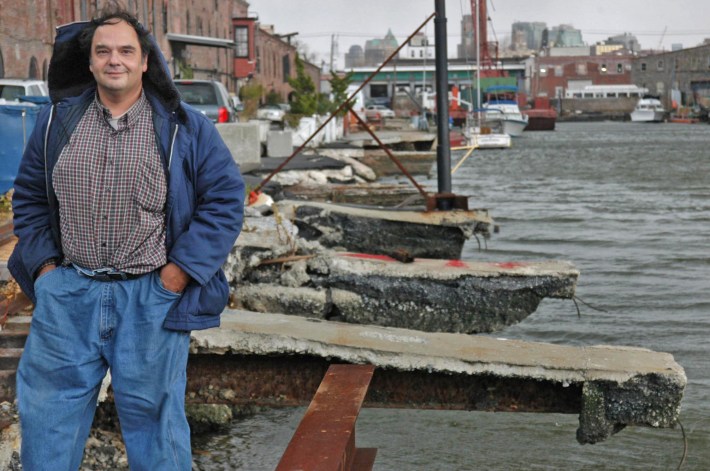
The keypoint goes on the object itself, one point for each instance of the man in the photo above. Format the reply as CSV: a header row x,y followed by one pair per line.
x,y
126,204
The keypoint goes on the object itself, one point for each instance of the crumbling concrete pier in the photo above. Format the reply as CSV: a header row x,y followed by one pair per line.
x,y
278,360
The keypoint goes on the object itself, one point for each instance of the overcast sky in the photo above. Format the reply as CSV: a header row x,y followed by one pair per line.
x,y
354,22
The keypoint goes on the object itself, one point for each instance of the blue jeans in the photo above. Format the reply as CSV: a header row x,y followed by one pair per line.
x,y
81,328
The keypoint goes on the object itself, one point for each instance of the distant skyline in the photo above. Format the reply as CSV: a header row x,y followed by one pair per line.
x,y
654,22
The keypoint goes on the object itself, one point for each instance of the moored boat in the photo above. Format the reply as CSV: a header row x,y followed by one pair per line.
x,y
649,109
541,117
501,109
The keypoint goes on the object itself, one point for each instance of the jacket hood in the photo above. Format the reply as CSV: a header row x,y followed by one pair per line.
x,y
69,73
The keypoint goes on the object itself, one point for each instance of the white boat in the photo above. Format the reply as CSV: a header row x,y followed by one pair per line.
x,y
501,110
478,133
486,140
649,109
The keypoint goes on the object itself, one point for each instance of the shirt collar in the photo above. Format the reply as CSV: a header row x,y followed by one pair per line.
x,y
127,119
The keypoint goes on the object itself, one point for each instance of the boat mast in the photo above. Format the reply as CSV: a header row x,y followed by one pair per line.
x,y
478,66
443,150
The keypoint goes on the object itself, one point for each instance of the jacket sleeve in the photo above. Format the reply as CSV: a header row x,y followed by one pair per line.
x,y
217,212
31,210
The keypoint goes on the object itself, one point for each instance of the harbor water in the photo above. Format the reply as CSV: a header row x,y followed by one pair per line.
x,y
629,205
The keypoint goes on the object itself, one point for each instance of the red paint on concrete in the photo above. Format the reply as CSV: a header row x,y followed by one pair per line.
x,y
509,265
457,264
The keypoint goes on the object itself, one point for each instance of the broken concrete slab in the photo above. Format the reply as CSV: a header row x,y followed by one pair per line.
x,y
427,295
273,269
278,360
426,234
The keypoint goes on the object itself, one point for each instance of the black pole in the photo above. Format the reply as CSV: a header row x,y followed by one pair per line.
x,y
443,149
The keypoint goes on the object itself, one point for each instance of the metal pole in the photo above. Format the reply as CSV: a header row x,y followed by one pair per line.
x,y
443,151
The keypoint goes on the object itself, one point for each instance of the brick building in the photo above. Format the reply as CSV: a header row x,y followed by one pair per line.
x,y
680,76
197,37
552,76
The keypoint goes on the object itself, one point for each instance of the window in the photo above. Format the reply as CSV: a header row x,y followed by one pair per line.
x,y
165,16
543,71
582,69
619,68
241,38
286,67
602,69
659,65
643,67
34,68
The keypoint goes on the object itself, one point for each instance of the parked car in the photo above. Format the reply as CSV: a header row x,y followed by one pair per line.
x,y
273,113
13,89
208,96
378,112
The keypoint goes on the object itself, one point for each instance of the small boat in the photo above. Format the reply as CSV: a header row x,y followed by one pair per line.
x,y
649,109
501,109
541,117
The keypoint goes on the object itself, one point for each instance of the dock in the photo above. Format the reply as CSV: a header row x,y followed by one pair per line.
x,y
278,360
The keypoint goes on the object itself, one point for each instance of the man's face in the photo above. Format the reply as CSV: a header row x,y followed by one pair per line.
x,y
116,60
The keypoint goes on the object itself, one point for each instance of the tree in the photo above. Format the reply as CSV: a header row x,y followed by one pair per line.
x,y
339,89
250,95
306,101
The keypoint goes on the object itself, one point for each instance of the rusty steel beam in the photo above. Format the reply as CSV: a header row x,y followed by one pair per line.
x,y
325,438
280,381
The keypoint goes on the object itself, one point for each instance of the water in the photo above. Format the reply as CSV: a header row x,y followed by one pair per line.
x,y
629,205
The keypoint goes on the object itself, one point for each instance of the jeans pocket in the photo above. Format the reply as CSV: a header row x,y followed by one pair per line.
x,y
42,278
162,289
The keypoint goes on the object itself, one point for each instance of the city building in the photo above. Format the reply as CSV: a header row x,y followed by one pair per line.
x,y
679,78
564,36
526,36
627,40
419,47
355,57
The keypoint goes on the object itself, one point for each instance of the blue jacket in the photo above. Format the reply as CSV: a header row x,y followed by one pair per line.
x,y
204,209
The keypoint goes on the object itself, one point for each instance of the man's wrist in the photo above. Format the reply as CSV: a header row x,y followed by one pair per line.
x,y
47,265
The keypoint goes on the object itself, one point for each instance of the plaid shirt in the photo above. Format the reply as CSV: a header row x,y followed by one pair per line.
x,y
112,191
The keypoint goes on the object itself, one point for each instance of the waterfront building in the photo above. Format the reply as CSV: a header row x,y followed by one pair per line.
x,y
411,77
679,78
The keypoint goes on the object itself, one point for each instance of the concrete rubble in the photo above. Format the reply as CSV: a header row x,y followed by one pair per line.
x,y
270,359
275,270
388,231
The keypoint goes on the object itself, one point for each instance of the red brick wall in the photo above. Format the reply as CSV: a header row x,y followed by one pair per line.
x,y
26,29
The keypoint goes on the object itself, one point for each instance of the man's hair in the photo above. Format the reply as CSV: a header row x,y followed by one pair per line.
x,y
111,14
